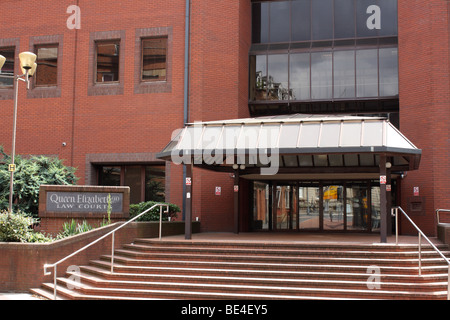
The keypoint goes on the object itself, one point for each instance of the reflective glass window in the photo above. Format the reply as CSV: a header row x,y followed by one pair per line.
x,y
344,74
301,20
47,65
367,73
366,22
344,19
322,19
279,21
278,88
260,16
154,59
388,71
300,76
389,20
107,61
321,75
8,67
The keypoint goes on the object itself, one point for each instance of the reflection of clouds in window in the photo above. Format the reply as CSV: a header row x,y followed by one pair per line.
x,y
366,73
278,77
326,75
279,21
388,71
300,76
344,74
321,75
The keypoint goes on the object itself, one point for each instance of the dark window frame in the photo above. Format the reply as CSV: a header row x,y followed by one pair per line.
x,y
38,70
144,87
143,58
53,91
111,87
8,60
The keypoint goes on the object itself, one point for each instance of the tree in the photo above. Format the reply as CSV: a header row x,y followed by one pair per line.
x,y
29,175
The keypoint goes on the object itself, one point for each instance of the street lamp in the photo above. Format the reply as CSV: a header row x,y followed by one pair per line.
x,y
28,66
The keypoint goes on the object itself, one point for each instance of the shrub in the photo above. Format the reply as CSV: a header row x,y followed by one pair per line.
x,y
72,228
29,175
18,228
152,215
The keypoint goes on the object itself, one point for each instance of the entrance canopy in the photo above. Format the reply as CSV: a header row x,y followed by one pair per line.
x,y
293,144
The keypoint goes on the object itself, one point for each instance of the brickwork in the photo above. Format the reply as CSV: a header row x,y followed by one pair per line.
x,y
132,118
129,117
424,103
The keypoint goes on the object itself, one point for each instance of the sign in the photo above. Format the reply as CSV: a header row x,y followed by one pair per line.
x,y
382,179
188,181
12,168
236,188
83,202
388,187
218,191
416,191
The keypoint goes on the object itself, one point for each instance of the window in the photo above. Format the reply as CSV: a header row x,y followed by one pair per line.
x,y
325,75
47,65
8,67
146,182
154,59
317,20
107,61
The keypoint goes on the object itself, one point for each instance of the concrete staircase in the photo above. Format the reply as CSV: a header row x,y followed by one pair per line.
x,y
153,269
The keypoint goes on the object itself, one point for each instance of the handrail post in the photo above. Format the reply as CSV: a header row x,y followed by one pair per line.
x,y
420,254
396,225
54,282
448,283
160,221
112,252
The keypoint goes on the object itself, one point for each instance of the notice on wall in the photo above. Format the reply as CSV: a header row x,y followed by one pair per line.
x,y
83,202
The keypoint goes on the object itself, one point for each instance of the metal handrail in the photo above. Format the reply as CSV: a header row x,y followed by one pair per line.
x,y
54,265
420,235
439,211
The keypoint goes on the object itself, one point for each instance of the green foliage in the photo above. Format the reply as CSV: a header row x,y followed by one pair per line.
x,y
30,174
152,215
72,228
17,227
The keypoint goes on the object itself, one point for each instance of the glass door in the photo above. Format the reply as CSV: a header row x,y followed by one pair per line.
x,y
309,207
286,213
357,200
333,207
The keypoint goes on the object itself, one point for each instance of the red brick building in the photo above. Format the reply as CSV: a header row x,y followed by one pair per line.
x,y
110,89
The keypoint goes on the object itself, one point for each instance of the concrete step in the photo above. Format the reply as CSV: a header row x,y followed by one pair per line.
x,y
294,257
203,291
153,269
224,283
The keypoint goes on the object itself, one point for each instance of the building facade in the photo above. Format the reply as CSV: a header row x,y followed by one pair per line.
x,y
114,84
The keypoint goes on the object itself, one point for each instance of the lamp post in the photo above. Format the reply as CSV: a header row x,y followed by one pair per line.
x,y
28,66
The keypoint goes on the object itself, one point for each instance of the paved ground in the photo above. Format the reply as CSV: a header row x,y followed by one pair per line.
x,y
301,237
17,296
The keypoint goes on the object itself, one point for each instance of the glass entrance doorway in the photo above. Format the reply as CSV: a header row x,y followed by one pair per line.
x,y
316,206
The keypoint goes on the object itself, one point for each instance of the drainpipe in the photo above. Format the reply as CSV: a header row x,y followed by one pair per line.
x,y
186,87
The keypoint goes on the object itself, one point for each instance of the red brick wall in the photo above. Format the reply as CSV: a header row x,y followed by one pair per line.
x,y
130,123
424,103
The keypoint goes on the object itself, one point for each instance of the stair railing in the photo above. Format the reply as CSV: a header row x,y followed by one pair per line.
x,y
438,211
54,265
394,212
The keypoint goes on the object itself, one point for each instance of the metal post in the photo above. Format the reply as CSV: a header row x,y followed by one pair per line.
x,y
448,284
420,254
160,221
54,283
13,146
396,226
112,252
